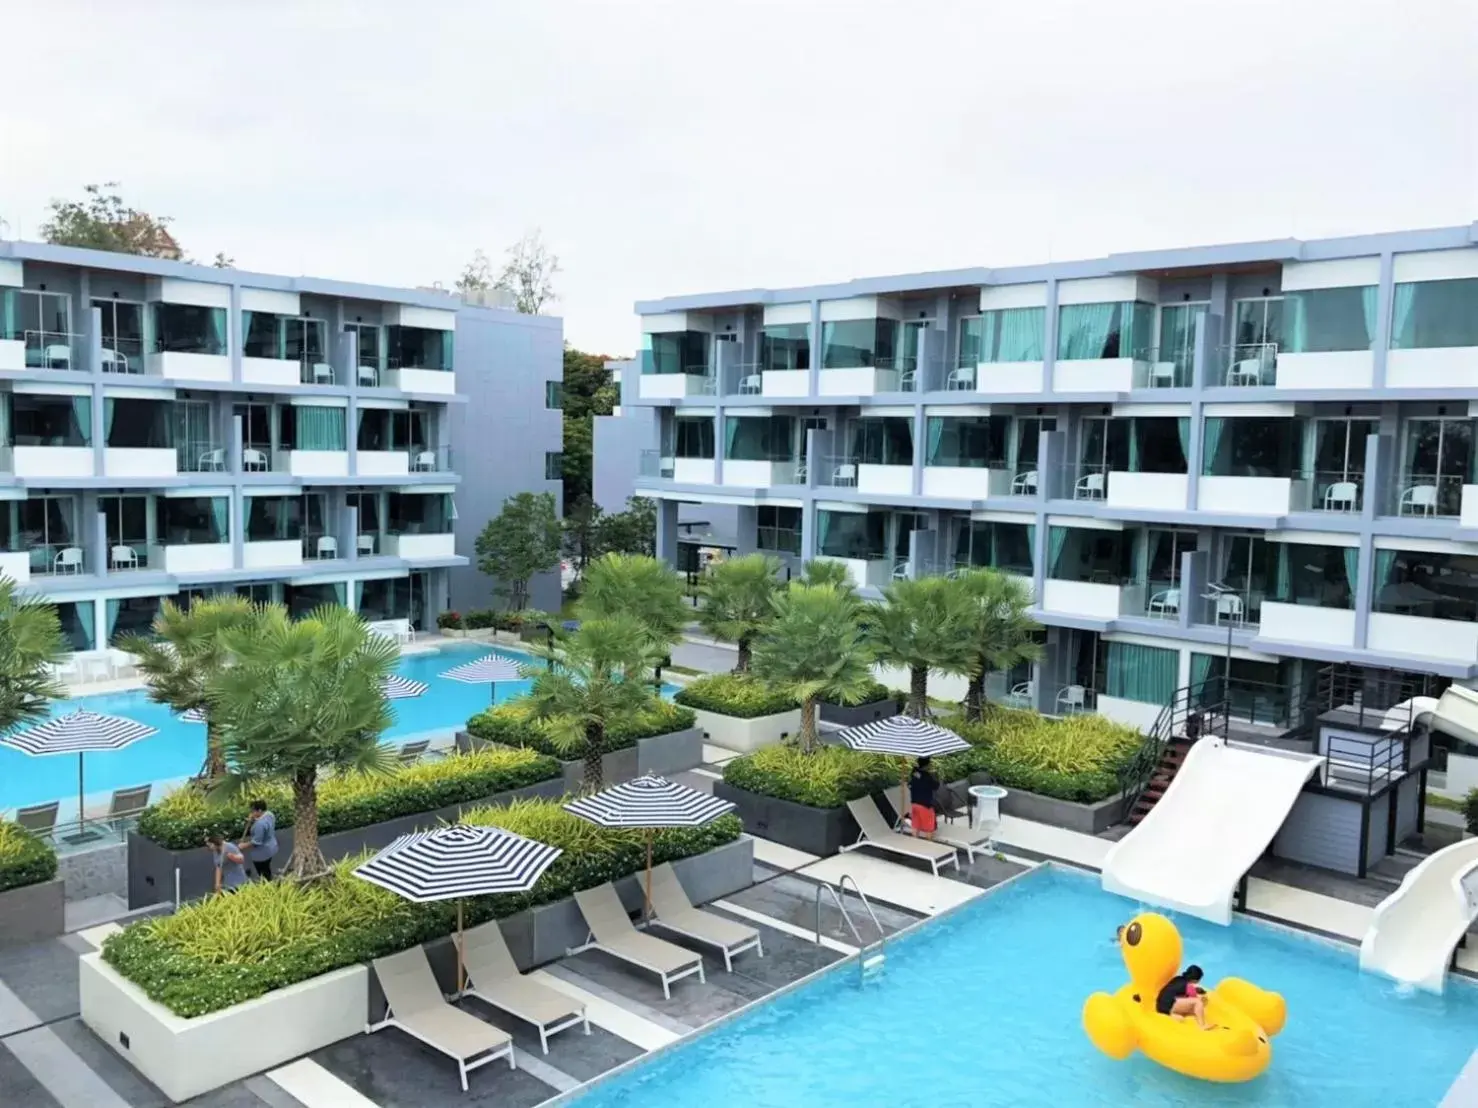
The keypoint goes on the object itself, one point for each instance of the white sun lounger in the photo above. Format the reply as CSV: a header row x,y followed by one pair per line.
x,y
676,913
493,978
611,931
971,840
876,832
416,1006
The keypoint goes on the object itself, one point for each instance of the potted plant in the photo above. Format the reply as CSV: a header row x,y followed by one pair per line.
x,y
450,625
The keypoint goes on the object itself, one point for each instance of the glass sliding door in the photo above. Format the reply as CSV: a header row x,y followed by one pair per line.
x,y
1162,552
1025,445
371,356
1257,336
258,434
1174,363
196,448
46,327
1249,574
1436,462
1337,481
126,525
47,527
122,335
315,522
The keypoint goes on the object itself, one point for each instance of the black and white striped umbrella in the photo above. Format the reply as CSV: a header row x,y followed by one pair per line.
x,y
455,861
490,667
902,735
395,687
78,733
649,802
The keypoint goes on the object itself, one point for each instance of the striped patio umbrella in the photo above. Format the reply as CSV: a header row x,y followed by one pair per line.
x,y
395,688
450,863
649,802
489,670
906,737
78,733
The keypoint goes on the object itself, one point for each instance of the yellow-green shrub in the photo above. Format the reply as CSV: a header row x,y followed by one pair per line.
x,y
24,858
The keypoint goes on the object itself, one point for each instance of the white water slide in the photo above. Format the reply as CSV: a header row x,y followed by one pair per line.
x,y
1219,814
1414,930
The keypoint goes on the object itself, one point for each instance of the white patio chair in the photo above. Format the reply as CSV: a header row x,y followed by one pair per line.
x,y
1023,693
366,544
1025,484
961,378
1420,499
900,571
1165,603
1341,496
323,373
1228,608
1162,375
1089,487
908,380
1072,698
845,475
1247,371
68,560
750,385
369,375
114,362
425,461
212,460
124,557
54,353
254,459
326,547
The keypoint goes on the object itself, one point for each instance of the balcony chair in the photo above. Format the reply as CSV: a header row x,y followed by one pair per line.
x,y
124,557
323,373
1342,496
1421,499
900,571
750,385
962,378
1229,604
424,462
68,560
845,474
365,544
56,352
369,375
212,460
326,547
1162,375
1089,487
1025,484
1023,693
254,460
908,380
1165,603
114,362
1072,698
1249,371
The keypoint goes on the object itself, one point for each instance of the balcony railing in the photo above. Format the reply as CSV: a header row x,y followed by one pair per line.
x,y
318,370
430,459
122,355
201,457
1319,490
653,464
53,350
1169,369
778,540
124,556
258,457
1251,364
838,471
1429,495
57,558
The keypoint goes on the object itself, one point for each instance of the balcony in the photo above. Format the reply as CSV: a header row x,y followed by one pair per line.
x,y
882,377
48,461
1002,377
188,340
872,573
1253,496
1284,622
59,350
1248,365
1337,491
1164,369
1425,636
1147,491
1097,600
968,482
693,381
414,545
56,559
272,373
1102,374
1430,495
140,461
846,472
178,556
761,474
317,463
272,553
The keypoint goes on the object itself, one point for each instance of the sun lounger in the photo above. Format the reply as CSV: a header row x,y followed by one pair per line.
x,y
493,978
39,819
876,832
411,753
611,931
416,1006
127,804
676,913
971,840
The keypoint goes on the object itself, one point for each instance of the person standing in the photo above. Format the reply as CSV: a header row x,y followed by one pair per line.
x,y
261,841
230,864
922,785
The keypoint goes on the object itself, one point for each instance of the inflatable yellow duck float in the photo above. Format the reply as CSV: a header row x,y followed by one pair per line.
x,y
1242,1017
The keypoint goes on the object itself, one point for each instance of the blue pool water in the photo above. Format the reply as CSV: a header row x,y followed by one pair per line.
x,y
983,1009
179,747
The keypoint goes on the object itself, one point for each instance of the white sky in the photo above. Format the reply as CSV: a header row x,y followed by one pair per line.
x,y
673,146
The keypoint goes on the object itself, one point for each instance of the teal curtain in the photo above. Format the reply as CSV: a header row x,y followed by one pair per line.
x,y
1013,335
936,434
1402,332
1031,543
1385,565
1212,428
220,510
823,529
218,329
1200,669
1352,568
1368,297
1056,541
245,325
1183,429
82,416
731,432
113,607
7,314
1141,541
1083,330
85,618
108,406
319,428
1134,446
1282,587
1142,673
358,594
341,593
1295,325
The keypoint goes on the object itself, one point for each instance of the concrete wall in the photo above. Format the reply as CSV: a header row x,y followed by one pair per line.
x,y
1323,830
500,436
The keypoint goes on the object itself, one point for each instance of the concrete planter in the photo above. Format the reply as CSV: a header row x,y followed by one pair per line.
x,y
748,735
188,1057
452,633
1089,819
151,867
820,831
662,754
479,634
510,637
851,715
33,912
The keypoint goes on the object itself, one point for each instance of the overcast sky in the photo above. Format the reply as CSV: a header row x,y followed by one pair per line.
x,y
694,145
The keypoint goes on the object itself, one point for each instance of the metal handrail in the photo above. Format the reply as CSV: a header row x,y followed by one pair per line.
x,y
862,948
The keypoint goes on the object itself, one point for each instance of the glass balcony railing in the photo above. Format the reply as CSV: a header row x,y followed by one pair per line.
x,y
59,558
1320,490
125,556
838,471
1164,369
316,369
653,464
121,354
54,350
1250,364
778,540
1428,494
200,457
430,459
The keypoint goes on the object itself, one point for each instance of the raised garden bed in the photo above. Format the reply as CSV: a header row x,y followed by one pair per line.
x,y
660,754
819,831
852,715
33,912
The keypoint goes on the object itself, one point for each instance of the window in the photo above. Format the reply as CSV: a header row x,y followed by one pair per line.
x,y
1157,444
1339,459
1435,313
45,324
1105,445
1250,447
554,465
189,329
779,530
1012,335
133,615
1319,576
1146,674
967,343
886,441
1261,692
125,530
1163,552
384,429
367,504
693,437
138,424
968,442
1003,546
261,335
1088,554
302,599
785,346
313,427
1178,341
76,620
1087,331
1256,324
1436,586
419,348
193,520
273,518
1319,320
38,420
1438,454
554,394
258,426
122,334
387,598
855,535
1029,431
371,352
419,513
675,352
759,438
858,343
44,525
1250,569
303,340
194,437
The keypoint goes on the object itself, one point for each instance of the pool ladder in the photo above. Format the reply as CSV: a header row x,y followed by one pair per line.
x,y
870,956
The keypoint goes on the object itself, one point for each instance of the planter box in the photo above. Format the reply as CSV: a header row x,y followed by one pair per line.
x,y
188,1057
851,715
33,912
479,634
748,735
1089,819
151,867
820,831
452,632
661,754
510,637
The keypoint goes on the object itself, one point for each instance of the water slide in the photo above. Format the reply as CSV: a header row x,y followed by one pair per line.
x,y
1414,930
1219,814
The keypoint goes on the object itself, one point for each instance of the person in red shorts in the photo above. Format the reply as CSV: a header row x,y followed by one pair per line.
x,y
922,785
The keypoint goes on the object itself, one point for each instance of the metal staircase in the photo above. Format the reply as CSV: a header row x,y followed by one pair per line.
x,y
870,956
1192,713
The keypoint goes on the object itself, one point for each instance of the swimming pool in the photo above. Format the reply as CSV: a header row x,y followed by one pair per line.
x,y
982,1008
179,747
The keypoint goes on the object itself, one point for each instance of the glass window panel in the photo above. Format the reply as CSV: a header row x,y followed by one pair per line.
x,y
675,352
887,441
189,329
854,535
760,438
1429,314
1013,335
1323,320
858,343
1250,447
273,518
694,437
138,424
38,420
785,346
263,335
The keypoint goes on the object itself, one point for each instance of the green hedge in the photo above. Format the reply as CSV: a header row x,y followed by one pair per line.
x,y
878,691
182,820
828,778
24,858
732,694
225,950
509,725
1470,811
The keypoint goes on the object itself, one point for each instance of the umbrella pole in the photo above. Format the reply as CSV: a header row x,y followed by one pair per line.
x,y
81,792
461,953
647,911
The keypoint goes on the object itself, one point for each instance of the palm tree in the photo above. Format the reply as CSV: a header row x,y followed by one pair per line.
x,y
1003,633
738,600
815,650
923,625
599,676
31,644
182,656
640,586
828,571
299,696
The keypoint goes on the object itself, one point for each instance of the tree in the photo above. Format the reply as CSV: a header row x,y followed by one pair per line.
x,y
31,644
588,392
183,656
1002,634
581,527
223,262
101,221
828,571
300,696
600,674
815,650
921,626
739,601
477,275
639,586
633,531
521,541
528,273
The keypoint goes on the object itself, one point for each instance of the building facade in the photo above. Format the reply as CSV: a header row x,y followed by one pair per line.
x,y
1253,460
173,430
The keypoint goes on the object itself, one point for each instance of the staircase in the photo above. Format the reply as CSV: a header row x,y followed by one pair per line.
x,y
1172,755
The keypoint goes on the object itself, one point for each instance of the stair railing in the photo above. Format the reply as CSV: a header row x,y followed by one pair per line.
x,y
1207,702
